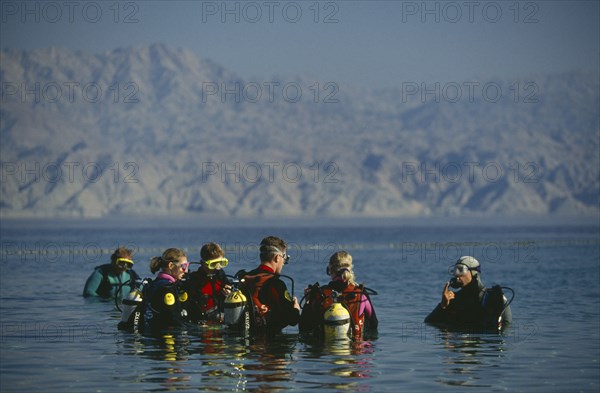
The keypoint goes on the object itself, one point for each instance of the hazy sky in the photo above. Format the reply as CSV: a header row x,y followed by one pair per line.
x,y
362,43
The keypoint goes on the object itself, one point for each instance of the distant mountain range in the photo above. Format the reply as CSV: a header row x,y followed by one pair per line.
x,y
154,130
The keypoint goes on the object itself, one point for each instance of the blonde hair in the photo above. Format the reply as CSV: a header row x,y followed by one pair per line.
x,y
170,255
211,251
340,263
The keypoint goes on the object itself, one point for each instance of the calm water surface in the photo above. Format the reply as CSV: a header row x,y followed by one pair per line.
x,y
54,340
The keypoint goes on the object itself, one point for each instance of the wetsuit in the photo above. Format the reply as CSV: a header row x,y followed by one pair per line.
x,y
206,299
163,304
266,288
472,307
105,281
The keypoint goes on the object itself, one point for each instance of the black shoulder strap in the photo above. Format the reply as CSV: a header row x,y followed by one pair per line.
x,y
311,293
223,277
104,268
105,285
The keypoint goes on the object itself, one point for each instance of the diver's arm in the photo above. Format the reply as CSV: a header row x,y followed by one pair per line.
x,y
435,315
365,306
440,312
284,306
92,284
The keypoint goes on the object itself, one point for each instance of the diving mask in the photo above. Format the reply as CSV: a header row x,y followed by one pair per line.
x,y
456,271
124,263
461,269
183,266
217,262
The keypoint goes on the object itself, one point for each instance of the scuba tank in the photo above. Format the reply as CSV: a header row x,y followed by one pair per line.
x,y
236,308
496,307
132,308
336,322
235,304
130,303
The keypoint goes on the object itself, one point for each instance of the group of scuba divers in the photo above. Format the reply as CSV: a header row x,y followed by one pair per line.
x,y
258,302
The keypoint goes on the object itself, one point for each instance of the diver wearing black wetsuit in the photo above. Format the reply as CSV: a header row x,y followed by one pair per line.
x,y
473,306
464,309
162,308
272,292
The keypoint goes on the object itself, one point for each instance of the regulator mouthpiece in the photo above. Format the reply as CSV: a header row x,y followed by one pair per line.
x,y
454,283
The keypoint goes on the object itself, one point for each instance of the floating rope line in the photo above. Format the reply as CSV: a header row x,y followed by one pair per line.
x,y
20,249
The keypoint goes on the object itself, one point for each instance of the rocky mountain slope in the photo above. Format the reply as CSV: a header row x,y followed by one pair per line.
x,y
154,130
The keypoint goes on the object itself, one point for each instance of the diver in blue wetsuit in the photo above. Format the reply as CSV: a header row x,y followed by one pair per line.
x,y
108,279
473,306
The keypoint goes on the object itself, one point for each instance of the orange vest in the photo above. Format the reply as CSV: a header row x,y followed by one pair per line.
x,y
350,298
252,284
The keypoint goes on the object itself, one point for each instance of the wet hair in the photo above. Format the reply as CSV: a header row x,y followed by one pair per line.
x,y
340,263
120,252
170,255
211,251
269,246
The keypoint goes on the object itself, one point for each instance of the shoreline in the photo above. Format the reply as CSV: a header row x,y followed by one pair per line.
x,y
211,221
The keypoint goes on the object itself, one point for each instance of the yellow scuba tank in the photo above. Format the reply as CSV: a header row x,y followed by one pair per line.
x,y
235,304
336,322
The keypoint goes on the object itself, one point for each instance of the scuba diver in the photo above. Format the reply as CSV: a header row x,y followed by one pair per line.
x,y
161,303
341,308
107,280
208,286
473,306
262,297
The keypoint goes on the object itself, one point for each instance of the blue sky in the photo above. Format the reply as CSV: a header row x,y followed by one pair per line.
x,y
361,43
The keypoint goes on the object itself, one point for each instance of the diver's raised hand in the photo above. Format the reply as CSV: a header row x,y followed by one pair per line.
x,y
447,295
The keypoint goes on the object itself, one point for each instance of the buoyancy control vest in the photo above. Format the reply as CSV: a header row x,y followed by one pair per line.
x,y
111,282
244,310
205,297
157,305
322,309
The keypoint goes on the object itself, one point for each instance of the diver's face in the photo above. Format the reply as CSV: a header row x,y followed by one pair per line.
x,y
123,264
463,275
178,270
280,260
465,279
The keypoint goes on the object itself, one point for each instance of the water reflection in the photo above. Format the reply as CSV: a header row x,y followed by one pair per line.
x,y
168,353
215,359
210,358
342,362
270,363
240,363
469,357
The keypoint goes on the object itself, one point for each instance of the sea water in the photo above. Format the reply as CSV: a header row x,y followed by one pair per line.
x,y
54,340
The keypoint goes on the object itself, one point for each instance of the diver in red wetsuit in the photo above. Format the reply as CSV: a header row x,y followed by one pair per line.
x,y
273,308
208,286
